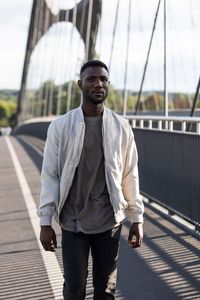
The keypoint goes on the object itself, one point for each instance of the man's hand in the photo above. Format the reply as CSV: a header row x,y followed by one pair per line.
x,y
137,231
48,238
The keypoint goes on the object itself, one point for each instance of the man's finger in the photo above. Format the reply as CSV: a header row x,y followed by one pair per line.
x,y
130,236
55,242
48,238
48,246
44,245
137,232
135,243
51,246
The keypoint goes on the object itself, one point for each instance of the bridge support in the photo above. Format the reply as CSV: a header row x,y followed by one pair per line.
x,y
42,18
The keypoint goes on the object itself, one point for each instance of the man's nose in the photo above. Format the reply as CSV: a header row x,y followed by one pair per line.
x,y
98,82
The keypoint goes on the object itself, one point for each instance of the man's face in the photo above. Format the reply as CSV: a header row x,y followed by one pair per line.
x,y
94,84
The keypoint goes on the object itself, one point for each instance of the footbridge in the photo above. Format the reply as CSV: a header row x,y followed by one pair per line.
x,y
61,37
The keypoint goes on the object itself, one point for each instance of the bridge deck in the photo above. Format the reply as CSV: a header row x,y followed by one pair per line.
x,y
166,267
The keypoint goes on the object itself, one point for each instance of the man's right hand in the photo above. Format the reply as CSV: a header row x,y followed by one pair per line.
x,y
48,238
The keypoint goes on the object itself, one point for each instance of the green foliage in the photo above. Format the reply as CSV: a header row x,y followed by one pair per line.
x,y
114,100
67,96
181,101
131,103
7,110
72,95
4,110
48,96
198,103
9,95
8,106
154,102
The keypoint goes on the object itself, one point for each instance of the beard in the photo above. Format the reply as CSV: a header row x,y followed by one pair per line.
x,y
95,97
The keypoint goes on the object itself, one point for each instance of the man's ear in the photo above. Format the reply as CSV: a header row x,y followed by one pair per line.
x,y
80,83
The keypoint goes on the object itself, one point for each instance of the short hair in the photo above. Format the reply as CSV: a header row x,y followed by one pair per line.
x,y
93,63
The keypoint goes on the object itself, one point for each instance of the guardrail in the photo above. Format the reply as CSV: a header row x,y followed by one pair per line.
x,y
179,124
169,163
36,127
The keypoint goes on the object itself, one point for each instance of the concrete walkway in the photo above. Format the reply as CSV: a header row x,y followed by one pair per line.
x,y
166,267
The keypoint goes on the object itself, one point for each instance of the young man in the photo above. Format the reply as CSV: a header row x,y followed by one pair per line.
x,y
89,179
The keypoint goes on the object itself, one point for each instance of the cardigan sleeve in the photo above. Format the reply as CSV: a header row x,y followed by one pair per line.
x,y
130,181
50,181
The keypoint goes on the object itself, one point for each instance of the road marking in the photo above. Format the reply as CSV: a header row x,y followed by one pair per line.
x,y
50,261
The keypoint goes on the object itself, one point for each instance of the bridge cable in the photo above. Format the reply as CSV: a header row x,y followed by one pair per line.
x,y
48,82
171,34
80,40
39,51
39,61
60,62
51,87
69,86
89,22
194,105
195,68
63,61
34,35
53,64
193,31
166,105
147,58
126,62
44,55
114,34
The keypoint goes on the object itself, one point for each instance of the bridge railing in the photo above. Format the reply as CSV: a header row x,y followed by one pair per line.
x,y
183,124
169,163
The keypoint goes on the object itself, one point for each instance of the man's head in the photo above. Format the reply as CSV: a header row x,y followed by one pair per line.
x,y
94,81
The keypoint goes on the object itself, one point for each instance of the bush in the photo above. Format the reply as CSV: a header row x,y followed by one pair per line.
x,y
7,109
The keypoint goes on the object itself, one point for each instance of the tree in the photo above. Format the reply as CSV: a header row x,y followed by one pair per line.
x,y
7,109
114,100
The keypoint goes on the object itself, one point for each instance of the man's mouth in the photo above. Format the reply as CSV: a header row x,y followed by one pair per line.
x,y
98,93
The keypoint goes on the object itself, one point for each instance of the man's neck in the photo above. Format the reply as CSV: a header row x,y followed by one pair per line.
x,y
92,110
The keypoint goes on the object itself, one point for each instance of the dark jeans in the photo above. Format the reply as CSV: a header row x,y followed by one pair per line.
x,y
75,251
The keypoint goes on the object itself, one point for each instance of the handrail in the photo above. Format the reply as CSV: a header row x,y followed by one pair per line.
x,y
169,123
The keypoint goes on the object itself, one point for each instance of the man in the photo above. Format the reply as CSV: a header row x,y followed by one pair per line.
x,y
89,179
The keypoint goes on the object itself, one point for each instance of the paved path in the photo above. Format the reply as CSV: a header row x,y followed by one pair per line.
x,y
166,267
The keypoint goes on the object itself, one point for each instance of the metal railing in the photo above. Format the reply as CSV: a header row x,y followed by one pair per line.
x,y
178,124
169,163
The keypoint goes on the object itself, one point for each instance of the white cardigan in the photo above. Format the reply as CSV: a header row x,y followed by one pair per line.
x,y
62,154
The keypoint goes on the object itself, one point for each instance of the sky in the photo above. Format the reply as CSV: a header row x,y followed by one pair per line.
x,y
183,49
14,22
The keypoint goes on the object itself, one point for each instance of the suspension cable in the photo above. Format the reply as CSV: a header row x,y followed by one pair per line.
x,y
69,87
114,33
89,22
147,58
126,63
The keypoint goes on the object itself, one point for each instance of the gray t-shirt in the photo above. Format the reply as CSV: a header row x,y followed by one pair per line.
x,y
88,208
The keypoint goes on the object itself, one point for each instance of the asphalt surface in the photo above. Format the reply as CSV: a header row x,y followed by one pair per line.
x,y
166,267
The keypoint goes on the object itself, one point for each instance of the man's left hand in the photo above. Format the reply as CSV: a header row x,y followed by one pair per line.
x,y
136,231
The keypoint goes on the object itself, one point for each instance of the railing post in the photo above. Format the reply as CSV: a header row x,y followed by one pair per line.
x,y
141,123
183,126
198,128
171,125
133,123
160,125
